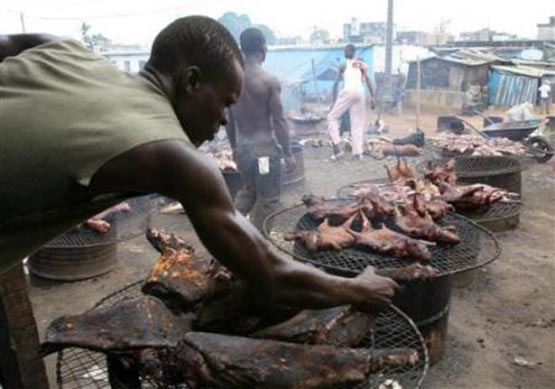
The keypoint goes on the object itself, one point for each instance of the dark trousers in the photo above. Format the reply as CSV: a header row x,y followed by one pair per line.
x,y
259,194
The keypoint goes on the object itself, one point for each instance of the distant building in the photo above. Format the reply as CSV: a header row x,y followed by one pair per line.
x,y
486,35
422,38
546,32
289,41
368,32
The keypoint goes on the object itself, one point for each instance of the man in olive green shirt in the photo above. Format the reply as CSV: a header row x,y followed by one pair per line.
x,y
77,136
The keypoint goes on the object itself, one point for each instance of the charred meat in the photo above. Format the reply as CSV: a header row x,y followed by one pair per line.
x,y
181,279
129,324
339,326
414,220
320,209
386,241
220,361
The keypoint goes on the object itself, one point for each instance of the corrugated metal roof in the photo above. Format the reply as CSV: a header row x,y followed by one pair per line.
x,y
527,71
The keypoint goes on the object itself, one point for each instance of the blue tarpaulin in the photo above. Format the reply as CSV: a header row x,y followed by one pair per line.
x,y
293,66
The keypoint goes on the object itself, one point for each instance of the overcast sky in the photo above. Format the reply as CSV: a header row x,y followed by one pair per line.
x,y
138,21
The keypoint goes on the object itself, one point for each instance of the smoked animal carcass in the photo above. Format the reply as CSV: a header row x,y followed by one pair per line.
x,y
415,221
130,323
339,326
386,241
319,209
221,361
179,277
326,237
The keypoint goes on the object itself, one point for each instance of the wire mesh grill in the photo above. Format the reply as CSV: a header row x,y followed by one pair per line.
x,y
497,211
477,248
526,161
478,166
78,368
124,225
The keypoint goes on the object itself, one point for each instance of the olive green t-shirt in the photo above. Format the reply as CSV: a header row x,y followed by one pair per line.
x,y
65,112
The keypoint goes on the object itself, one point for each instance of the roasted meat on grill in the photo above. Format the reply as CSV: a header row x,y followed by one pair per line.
x,y
326,237
339,326
386,241
415,271
320,209
437,174
128,324
415,221
400,172
475,197
181,279
220,361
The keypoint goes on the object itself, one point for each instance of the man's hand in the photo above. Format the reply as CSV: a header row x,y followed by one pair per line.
x,y
376,291
290,163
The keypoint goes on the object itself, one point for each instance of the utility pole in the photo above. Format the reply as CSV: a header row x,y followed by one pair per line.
x,y
387,96
22,20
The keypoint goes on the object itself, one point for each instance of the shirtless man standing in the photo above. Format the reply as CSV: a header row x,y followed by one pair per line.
x,y
253,122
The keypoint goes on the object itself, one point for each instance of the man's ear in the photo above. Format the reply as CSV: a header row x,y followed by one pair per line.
x,y
191,79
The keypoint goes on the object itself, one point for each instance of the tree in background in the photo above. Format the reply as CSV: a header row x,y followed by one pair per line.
x,y
319,36
92,40
236,23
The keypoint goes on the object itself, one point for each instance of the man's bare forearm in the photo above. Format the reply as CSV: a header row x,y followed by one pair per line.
x,y
273,276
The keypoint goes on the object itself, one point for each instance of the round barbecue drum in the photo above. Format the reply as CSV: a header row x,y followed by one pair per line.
x,y
425,301
83,253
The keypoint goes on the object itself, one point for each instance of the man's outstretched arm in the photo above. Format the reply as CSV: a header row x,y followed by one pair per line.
x,y
177,170
11,45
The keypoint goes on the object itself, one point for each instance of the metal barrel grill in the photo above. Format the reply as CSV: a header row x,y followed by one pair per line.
x,y
82,253
425,301
78,368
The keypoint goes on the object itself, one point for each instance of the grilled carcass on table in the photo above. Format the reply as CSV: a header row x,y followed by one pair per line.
x,y
326,237
97,222
222,361
178,277
414,220
320,209
386,241
475,197
339,326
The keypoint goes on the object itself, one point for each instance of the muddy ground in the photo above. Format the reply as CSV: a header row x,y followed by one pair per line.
x,y
506,314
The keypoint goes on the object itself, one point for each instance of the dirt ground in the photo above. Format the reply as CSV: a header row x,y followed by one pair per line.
x,y
506,314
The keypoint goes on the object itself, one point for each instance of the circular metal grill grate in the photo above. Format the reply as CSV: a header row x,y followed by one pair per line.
x,y
79,368
124,225
525,161
478,247
479,166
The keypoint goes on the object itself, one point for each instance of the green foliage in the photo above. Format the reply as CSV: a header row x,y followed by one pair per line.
x,y
236,23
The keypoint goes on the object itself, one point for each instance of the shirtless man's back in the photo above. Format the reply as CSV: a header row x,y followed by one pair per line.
x,y
258,133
